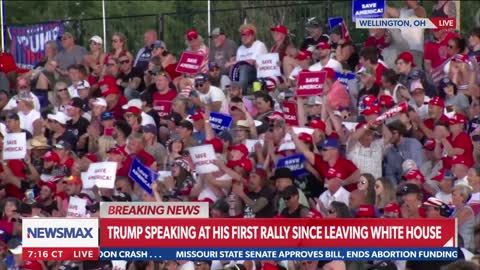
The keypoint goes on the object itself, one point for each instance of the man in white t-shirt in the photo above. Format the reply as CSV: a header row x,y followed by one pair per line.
x,y
209,95
323,52
23,86
249,51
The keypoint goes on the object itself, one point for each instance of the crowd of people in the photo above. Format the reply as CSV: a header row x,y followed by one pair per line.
x,y
80,106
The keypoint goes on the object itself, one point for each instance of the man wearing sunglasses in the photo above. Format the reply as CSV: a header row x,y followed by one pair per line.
x,y
23,86
70,55
209,95
293,207
129,80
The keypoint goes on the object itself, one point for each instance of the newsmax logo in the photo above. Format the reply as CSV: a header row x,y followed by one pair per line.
x,y
60,232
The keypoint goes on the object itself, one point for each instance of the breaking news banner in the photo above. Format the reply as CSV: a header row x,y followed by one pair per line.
x,y
390,23
183,231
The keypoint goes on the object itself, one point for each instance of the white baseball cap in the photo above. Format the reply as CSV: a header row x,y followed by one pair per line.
x,y
17,250
96,39
100,102
60,117
133,103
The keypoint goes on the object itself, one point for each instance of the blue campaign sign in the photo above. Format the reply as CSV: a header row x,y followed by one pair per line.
x,y
345,77
219,121
334,21
295,163
142,175
367,9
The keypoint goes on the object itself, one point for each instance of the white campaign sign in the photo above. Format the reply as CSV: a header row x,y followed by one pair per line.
x,y
299,130
15,146
202,157
268,65
250,144
101,174
119,265
287,143
76,207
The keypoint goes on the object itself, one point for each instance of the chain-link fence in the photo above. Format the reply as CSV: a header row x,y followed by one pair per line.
x,y
172,26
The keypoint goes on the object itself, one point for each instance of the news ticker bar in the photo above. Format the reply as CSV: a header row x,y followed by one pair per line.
x,y
192,254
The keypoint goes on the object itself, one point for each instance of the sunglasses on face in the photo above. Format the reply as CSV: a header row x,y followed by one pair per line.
x,y
124,62
94,43
286,198
128,115
198,85
115,40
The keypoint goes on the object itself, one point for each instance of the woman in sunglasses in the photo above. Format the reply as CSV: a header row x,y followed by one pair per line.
x,y
61,97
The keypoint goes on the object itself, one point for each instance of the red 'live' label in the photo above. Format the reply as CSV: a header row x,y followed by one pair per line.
x,y
444,23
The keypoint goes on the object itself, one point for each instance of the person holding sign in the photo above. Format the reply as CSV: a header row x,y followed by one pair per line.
x,y
284,47
247,53
197,46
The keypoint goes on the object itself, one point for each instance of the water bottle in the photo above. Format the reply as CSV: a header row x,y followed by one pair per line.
x,y
232,202
248,212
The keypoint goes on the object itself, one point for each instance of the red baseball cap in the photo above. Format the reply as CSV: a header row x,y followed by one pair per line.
x,y
360,125
303,55
51,185
429,144
458,159
457,118
330,73
280,29
386,101
110,90
246,164
414,174
217,144
366,211
332,173
443,174
51,156
317,124
305,137
392,208
373,109
239,147
133,109
197,116
191,34
407,57
247,31
369,100
323,46
437,101
117,151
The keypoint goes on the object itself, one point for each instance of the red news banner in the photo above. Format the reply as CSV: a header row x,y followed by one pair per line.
x,y
277,233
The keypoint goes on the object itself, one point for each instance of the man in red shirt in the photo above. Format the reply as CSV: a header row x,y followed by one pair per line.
x,y
435,112
330,160
459,143
162,91
369,58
